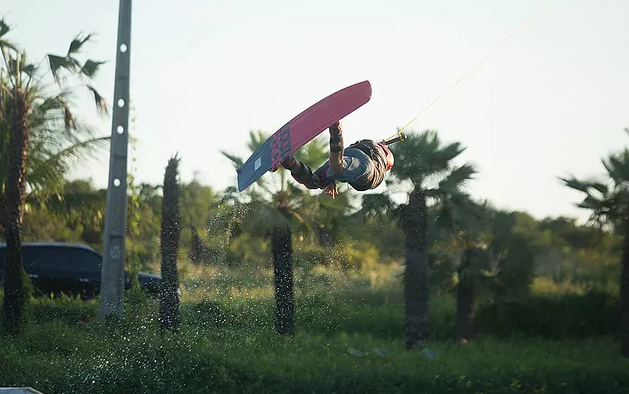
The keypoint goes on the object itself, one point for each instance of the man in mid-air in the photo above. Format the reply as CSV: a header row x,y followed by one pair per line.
x,y
362,165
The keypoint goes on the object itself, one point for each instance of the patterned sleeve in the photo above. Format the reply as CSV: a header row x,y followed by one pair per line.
x,y
305,176
321,173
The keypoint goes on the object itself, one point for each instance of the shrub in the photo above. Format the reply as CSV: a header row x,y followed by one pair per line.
x,y
567,315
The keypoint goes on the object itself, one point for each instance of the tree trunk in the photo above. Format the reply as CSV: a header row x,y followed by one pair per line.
x,y
464,306
197,250
283,269
472,260
16,284
416,290
3,213
169,300
624,295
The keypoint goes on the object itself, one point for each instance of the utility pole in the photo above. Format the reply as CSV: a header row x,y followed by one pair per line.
x,y
112,277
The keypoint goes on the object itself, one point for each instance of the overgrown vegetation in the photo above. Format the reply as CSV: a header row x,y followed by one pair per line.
x,y
349,338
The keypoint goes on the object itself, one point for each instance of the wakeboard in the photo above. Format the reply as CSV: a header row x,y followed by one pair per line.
x,y
301,129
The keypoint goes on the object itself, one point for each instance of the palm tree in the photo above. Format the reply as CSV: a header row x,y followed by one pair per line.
x,y
462,230
424,169
277,209
57,142
23,95
495,257
608,200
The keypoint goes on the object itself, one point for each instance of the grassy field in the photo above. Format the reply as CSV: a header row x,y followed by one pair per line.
x,y
349,340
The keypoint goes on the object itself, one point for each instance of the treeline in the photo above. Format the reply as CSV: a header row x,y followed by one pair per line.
x,y
220,230
212,235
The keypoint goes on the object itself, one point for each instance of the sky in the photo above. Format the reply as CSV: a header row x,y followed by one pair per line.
x,y
550,102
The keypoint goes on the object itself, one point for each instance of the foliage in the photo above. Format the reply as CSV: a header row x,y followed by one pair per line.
x,y
351,332
246,251
344,257
375,216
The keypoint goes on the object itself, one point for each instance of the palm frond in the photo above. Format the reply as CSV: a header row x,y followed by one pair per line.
x,y
455,210
53,127
592,203
313,154
600,187
77,44
450,152
13,68
301,219
576,184
46,173
606,206
18,65
263,217
265,185
236,161
256,139
91,68
474,262
422,157
58,63
375,205
87,203
458,177
29,69
99,100
617,166
4,30
68,117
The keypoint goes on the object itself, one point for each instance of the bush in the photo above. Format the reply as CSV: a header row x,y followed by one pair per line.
x,y
567,315
347,258
248,251
306,258
359,257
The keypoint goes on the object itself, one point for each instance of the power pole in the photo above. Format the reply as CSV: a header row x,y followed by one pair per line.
x,y
113,278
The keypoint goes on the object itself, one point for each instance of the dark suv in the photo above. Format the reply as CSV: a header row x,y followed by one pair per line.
x,y
57,267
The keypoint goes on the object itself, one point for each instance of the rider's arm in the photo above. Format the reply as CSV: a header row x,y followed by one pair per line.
x,y
336,148
304,175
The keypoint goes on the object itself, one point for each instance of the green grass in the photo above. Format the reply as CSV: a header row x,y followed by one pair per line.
x,y
349,340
